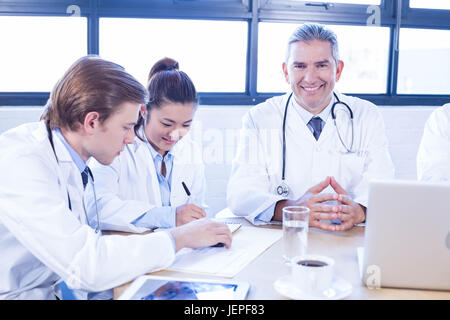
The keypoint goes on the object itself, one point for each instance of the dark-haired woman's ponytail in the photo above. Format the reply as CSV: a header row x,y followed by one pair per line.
x,y
165,64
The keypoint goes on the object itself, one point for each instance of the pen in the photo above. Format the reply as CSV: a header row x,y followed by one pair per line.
x,y
187,191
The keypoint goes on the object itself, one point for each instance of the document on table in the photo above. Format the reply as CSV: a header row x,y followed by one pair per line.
x,y
227,214
248,243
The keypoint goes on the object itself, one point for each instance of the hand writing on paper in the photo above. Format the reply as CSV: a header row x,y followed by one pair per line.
x,y
201,233
187,213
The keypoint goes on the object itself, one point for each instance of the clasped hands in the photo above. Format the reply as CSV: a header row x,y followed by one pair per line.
x,y
345,209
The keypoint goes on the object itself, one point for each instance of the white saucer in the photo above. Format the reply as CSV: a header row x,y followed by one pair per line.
x,y
339,289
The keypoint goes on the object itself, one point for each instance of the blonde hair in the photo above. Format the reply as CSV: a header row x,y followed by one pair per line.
x,y
91,84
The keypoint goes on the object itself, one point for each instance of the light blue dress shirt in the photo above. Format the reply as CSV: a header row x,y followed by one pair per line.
x,y
81,165
165,215
306,116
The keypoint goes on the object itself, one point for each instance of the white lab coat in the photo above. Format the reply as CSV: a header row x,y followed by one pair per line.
x,y
256,169
433,157
129,187
42,241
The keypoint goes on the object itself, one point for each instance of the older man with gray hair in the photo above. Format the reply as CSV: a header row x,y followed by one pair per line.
x,y
313,146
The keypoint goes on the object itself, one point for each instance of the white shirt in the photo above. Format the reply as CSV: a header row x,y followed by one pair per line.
x,y
307,116
433,157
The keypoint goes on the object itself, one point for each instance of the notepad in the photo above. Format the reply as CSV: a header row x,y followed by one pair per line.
x,y
233,226
227,214
248,243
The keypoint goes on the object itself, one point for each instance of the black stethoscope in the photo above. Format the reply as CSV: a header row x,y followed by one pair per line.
x,y
283,188
50,138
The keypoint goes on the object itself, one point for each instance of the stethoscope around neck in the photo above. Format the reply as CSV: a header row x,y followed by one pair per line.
x,y
97,228
283,189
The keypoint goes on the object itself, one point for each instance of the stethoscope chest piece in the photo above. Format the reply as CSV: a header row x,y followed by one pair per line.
x,y
283,189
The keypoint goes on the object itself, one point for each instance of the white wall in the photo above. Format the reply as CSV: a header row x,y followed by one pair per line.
x,y
218,126
404,127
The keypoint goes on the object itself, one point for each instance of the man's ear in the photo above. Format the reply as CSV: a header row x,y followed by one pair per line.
x,y
285,72
91,121
339,69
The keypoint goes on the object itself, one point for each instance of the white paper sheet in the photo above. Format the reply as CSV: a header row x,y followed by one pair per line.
x,y
248,243
227,214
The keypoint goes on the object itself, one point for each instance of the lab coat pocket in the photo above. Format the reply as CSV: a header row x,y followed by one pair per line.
x,y
351,170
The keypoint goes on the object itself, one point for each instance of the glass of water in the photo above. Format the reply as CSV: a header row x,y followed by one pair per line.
x,y
295,231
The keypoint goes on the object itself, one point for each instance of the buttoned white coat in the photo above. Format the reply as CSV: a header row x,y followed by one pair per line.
x,y
257,167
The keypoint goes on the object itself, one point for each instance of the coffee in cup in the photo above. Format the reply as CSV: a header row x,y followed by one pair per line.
x,y
312,263
312,274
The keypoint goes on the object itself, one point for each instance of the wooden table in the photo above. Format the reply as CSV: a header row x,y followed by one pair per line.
x,y
262,272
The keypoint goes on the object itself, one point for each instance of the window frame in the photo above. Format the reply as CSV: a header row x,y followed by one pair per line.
x,y
251,11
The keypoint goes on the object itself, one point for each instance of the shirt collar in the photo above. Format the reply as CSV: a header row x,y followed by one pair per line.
x,y
307,116
81,165
155,154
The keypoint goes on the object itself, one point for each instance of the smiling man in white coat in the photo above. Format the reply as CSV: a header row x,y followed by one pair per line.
x,y
313,147
433,157
45,234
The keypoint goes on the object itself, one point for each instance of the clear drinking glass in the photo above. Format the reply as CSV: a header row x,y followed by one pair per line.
x,y
295,231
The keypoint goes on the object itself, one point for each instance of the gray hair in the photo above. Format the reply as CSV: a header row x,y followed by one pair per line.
x,y
313,31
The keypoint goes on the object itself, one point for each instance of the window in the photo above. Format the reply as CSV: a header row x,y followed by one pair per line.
x,y
364,50
430,4
423,61
232,49
36,50
212,53
368,2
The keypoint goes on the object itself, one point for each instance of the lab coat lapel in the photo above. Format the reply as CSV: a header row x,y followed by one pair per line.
x,y
327,130
297,131
71,178
180,173
152,179
64,166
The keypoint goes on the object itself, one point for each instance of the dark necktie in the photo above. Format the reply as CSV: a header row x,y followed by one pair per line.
x,y
85,176
163,168
316,124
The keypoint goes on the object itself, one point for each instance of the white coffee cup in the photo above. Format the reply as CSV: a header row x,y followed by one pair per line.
x,y
312,274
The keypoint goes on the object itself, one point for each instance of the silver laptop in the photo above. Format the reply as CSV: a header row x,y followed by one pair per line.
x,y
407,237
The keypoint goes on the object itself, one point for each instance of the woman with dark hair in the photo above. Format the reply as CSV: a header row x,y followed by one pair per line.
x,y
45,233
143,188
